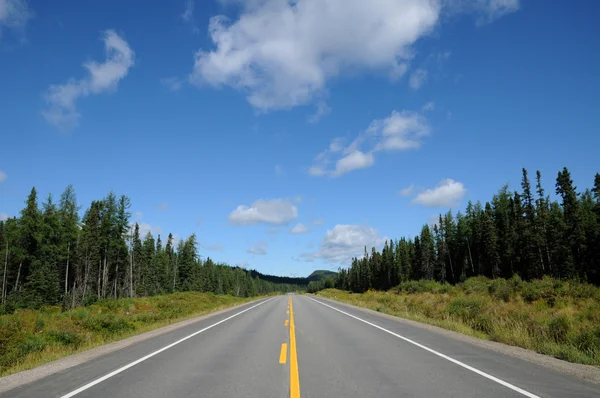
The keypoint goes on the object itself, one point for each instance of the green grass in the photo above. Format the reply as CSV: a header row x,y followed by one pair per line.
x,y
552,317
29,338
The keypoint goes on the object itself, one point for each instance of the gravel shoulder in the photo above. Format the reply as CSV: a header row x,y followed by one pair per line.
x,y
584,372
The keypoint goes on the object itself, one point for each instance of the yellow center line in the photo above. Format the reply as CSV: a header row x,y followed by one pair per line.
x,y
294,378
283,354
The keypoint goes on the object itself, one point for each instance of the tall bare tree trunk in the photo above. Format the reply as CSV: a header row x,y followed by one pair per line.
x,y
471,257
4,277
131,269
67,271
18,275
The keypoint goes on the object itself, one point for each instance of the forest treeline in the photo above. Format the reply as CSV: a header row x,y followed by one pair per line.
x,y
51,256
522,233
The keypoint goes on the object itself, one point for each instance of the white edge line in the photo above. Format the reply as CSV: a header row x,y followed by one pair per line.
x,y
439,354
121,369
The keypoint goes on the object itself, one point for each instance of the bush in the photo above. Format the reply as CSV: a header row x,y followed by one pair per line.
x,y
466,308
559,328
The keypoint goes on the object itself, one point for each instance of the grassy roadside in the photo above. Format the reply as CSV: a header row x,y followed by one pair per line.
x,y
29,338
552,317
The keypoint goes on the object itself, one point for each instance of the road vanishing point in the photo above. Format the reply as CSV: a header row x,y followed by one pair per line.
x,y
299,345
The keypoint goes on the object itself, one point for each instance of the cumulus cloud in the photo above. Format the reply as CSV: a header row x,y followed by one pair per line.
x,y
299,229
344,242
417,79
3,176
243,264
402,130
102,77
282,53
447,193
3,216
14,15
275,211
408,191
353,161
260,249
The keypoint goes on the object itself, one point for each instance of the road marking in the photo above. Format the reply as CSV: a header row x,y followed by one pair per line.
x,y
439,354
286,322
287,312
294,379
113,373
283,354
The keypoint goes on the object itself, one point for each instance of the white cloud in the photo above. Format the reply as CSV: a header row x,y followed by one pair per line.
x,y
446,194
398,132
344,242
145,228
486,11
299,229
429,106
353,161
243,264
188,15
3,216
172,83
322,110
14,15
318,221
102,77
163,206
417,79
3,176
138,215
408,191
275,211
259,249
283,53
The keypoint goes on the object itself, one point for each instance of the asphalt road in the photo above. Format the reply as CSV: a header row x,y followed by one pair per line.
x,y
313,348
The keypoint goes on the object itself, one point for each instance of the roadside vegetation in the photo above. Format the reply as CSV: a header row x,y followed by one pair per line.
x,y
550,316
29,337
522,269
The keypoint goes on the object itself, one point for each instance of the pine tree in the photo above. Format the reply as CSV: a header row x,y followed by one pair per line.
x,y
575,234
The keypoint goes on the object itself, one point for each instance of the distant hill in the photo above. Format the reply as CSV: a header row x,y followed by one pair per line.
x,y
317,275
320,275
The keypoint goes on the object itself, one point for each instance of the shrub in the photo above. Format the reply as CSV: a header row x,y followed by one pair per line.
x,y
466,308
559,328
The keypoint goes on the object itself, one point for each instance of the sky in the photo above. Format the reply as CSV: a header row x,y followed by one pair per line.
x,y
287,135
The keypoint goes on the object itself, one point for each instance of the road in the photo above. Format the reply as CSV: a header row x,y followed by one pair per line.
x,y
292,346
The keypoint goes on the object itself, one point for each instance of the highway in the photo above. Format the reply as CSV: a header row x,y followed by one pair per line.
x,y
296,345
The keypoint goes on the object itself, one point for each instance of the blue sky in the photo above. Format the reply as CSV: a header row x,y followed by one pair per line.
x,y
239,120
